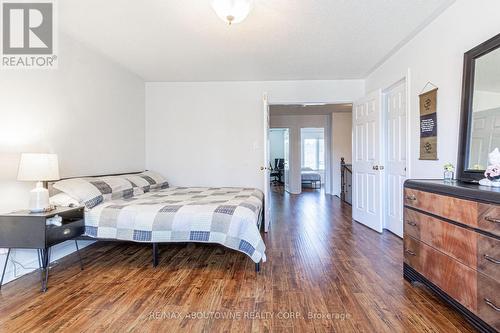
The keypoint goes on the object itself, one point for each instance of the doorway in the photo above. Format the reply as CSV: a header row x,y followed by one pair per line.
x,y
332,122
313,157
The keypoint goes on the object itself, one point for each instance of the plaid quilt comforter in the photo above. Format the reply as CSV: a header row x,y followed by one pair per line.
x,y
227,216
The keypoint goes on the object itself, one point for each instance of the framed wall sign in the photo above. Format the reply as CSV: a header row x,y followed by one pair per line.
x,y
428,125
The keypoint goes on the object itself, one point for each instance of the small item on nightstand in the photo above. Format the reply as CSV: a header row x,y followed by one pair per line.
x,y
492,172
56,220
46,210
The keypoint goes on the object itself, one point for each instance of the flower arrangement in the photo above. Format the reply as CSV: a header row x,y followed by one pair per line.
x,y
449,167
493,172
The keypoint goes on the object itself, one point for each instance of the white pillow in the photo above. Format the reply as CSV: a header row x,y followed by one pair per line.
x,y
63,200
92,191
148,180
155,176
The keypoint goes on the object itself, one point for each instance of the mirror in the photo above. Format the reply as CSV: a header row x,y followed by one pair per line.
x,y
485,128
480,127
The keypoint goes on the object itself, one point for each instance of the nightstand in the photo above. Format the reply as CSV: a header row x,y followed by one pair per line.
x,y
24,230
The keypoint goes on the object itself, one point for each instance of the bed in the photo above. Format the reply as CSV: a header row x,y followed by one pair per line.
x,y
309,176
143,208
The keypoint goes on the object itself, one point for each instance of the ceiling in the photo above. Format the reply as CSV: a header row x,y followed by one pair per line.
x,y
184,40
310,110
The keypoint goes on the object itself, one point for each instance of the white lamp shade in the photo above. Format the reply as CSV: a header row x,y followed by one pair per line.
x,y
38,167
232,11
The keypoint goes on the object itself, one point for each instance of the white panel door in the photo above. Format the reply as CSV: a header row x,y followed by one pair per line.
x,y
265,168
367,176
286,150
395,152
485,137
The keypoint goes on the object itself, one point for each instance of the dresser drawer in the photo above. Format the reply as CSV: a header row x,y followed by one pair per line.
x,y
489,218
454,209
454,278
488,300
457,242
488,257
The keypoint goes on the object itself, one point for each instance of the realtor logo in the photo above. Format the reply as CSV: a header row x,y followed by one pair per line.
x,y
28,34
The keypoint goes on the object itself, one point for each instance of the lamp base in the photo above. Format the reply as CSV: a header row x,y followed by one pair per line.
x,y
39,199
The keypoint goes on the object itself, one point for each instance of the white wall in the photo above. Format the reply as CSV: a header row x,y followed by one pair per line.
x,y
90,111
276,144
341,146
436,55
211,133
295,123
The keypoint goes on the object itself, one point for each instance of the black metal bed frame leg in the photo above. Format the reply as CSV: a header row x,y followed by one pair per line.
x,y
257,267
4,267
155,254
79,255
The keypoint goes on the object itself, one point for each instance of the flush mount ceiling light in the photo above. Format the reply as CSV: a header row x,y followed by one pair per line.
x,y
232,11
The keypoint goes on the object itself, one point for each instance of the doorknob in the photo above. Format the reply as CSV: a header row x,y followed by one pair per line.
x,y
375,167
262,168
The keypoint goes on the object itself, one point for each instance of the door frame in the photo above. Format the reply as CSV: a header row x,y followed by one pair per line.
x,y
407,81
266,121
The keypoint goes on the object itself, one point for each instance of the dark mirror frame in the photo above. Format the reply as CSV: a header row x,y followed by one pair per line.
x,y
470,57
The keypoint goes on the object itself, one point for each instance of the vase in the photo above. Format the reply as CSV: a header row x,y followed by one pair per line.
x,y
448,176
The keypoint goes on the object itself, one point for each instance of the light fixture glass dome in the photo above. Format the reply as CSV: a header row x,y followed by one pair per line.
x,y
232,11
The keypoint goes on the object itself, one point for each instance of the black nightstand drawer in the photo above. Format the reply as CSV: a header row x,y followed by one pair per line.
x,y
56,235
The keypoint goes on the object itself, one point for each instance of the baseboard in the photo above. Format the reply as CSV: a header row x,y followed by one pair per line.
x,y
412,275
29,259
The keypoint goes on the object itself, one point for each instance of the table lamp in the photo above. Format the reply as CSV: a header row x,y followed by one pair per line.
x,y
39,168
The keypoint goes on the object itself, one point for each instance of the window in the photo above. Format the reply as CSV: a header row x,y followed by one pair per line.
x,y
313,148
310,153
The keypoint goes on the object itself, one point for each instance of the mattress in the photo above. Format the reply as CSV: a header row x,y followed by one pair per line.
x,y
226,216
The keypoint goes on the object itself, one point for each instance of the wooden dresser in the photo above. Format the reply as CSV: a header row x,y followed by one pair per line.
x,y
452,245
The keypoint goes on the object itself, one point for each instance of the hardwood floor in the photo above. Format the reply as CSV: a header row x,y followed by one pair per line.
x,y
324,273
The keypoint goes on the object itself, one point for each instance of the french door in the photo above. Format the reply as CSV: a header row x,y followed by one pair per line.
x,y
367,171
395,152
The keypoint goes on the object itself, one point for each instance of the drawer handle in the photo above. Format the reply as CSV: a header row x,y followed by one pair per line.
x,y
491,304
413,224
493,260
66,231
411,197
410,252
492,219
